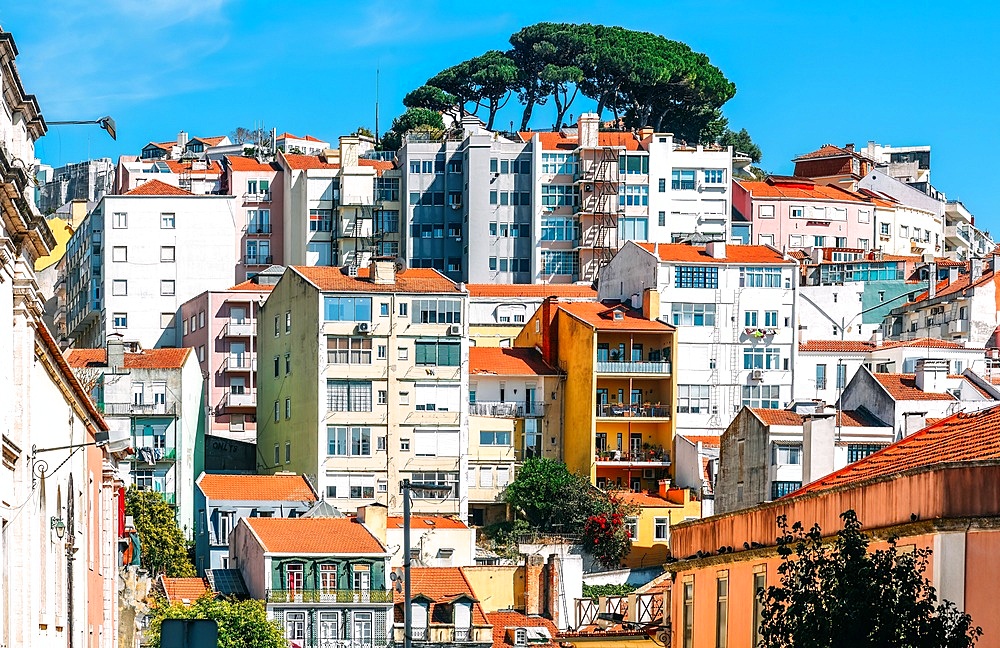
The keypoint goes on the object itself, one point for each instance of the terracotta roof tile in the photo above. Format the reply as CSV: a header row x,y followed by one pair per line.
x,y
427,522
380,166
414,280
904,387
49,343
166,146
271,488
683,252
146,359
508,619
825,151
601,317
860,346
509,361
186,590
251,286
708,440
305,162
211,141
957,438
213,168
531,290
441,585
156,188
799,191
559,141
648,500
314,535
306,138
240,163
848,418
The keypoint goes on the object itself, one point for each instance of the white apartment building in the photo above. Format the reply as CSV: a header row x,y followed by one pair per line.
x,y
734,310
363,382
137,257
498,312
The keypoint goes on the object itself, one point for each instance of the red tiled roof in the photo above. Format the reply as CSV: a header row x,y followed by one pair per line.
x,y
146,359
600,316
531,290
414,280
825,151
441,585
250,285
427,522
211,141
240,163
799,191
49,343
648,500
304,162
860,346
944,288
314,535
157,188
508,619
306,138
558,141
380,165
186,590
272,488
501,361
848,418
904,387
757,254
709,439
957,438
213,168
166,146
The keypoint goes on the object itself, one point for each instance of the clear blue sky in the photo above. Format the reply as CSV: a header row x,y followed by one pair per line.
x,y
901,73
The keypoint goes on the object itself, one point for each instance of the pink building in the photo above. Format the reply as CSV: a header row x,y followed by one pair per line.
x,y
259,191
222,327
796,213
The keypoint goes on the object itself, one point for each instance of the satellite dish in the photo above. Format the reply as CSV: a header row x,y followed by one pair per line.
x,y
400,263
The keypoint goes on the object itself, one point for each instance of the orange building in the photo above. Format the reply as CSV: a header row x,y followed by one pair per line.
x,y
935,489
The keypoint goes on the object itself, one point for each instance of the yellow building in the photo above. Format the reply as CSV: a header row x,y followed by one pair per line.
x,y
650,527
497,312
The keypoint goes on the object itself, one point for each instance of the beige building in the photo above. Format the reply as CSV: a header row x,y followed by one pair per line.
x,y
361,384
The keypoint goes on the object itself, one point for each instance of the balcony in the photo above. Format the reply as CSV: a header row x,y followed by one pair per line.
x,y
259,197
661,368
240,363
246,328
328,596
259,228
648,456
144,451
418,634
258,259
636,410
507,409
138,409
958,234
246,399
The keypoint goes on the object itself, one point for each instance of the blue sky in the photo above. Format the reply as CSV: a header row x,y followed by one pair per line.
x,y
806,73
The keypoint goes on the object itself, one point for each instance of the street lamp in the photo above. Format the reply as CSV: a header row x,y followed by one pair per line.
x,y
407,602
106,123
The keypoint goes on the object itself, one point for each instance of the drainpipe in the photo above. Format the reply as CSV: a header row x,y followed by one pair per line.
x,y
795,322
70,551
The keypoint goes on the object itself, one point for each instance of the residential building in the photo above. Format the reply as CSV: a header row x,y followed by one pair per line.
x,y
139,256
962,239
58,484
697,459
766,453
734,309
183,147
909,164
829,164
182,590
221,325
435,540
657,511
200,177
444,610
221,501
907,401
153,396
498,312
363,383
323,580
906,491
515,413
304,145
85,181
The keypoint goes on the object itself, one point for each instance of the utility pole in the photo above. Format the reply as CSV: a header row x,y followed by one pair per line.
x,y
407,603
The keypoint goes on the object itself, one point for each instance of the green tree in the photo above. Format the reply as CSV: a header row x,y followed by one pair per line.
x,y
414,119
436,99
546,55
487,81
741,142
242,624
605,535
163,549
552,498
841,595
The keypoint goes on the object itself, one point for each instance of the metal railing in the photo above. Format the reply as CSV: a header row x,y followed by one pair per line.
x,y
246,399
259,228
636,410
240,362
158,454
306,595
660,367
259,197
129,409
648,455
258,259
246,328
507,409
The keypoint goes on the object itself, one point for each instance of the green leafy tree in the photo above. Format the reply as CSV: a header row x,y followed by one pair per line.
x,y
742,143
841,595
486,81
163,548
363,131
414,119
432,98
546,55
242,624
551,498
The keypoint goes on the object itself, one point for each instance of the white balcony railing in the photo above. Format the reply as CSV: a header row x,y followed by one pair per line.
x,y
634,367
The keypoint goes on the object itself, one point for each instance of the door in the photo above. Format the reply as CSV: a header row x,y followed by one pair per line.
x,y
529,400
294,577
238,314
295,628
362,581
362,636
329,629
634,445
237,353
602,402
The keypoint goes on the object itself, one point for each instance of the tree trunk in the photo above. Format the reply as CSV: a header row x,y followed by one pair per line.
x,y
526,115
493,114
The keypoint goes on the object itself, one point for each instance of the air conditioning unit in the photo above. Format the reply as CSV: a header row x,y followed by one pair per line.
x,y
757,374
455,329
648,473
364,327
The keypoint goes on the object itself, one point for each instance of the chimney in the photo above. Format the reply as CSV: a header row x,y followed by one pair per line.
x,y
182,139
975,269
552,588
913,422
533,590
663,486
849,147
547,332
651,304
877,338
382,273
645,133
818,436
678,496
931,375
116,352
588,130
375,518
716,249
350,146
953,274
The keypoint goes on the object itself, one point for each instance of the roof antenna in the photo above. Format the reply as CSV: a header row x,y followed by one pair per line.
x,y
376,103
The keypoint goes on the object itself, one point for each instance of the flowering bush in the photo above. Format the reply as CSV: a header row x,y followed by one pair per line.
x,y
605,535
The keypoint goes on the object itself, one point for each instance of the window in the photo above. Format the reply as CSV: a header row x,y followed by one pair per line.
x,y
765,211
633,164
348,396
500,437
763,396
841,376
682,179
554,195
404,445
277,327
696,277
560,228
442,397
277,417
661,185
750,318
349,350
288,408
120,320
692,399
821,376
288,321
167,221
402,353
884,229
693,314
662,219
759,583
904,231
770,318
288,363
277,448
751,277
119,254
119,287
715,176
722,609
353,441
864,244
347,309
858,451
288,446
277,366
383,397
632,528
797,212
559,163
448,479
782,488
166,286
786,454
840,241
168,253
761,357
119,220
560,262
437,311
166,320
661,529
442,354
633,228
320,220
634,196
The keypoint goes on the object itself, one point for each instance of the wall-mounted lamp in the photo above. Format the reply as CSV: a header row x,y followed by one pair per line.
x,y
58,525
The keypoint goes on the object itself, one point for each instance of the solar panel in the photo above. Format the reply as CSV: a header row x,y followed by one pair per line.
x,y
227,582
